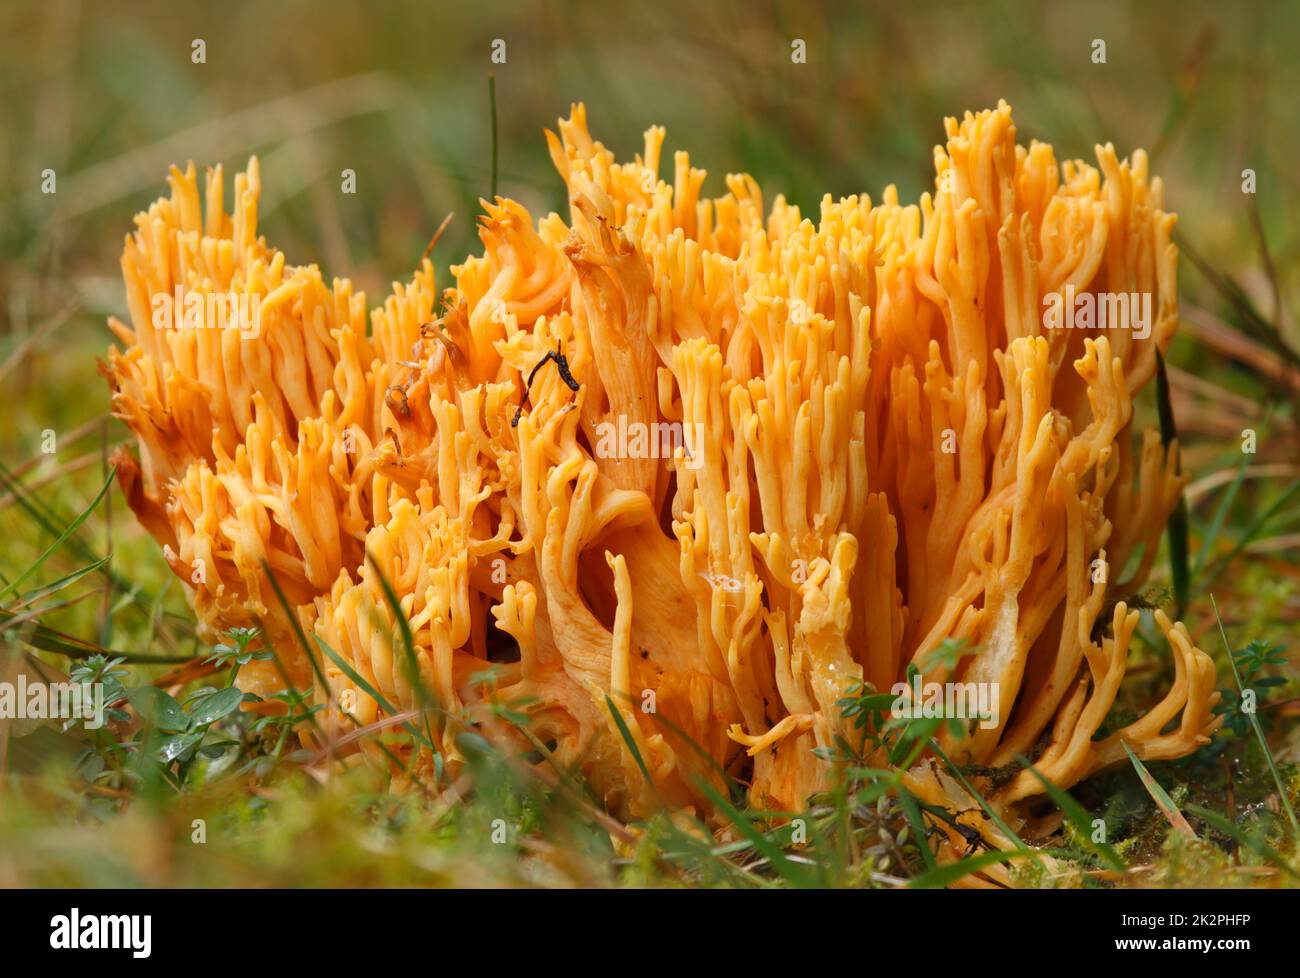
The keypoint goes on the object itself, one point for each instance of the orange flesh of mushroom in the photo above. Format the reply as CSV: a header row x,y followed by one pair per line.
x,y
882,448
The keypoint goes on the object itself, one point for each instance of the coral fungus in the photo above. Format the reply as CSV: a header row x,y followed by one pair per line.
x,y
879,447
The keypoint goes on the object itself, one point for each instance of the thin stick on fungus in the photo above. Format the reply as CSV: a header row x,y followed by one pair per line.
x,y
428,249
561,364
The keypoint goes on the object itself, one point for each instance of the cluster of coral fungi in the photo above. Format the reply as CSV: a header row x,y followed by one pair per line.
x,y
893,452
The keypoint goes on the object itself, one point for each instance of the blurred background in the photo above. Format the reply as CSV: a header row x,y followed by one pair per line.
x,y
108,96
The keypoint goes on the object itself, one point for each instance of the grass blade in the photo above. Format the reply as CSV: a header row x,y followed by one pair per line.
x,y
428,702
302,640
790,871
297,626
1178,518
1159,795
1259,731
913,813
45,590
1263,849
630,742
1216,522
944,876
58,542
492,108
989,810
49,640
404,627
369,690
1077,815
1252,531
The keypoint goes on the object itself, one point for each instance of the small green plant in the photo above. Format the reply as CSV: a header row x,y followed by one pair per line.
x,y
175,736
234,656
103,760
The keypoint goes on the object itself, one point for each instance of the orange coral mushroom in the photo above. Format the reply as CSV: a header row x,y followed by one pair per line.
x,y
859,440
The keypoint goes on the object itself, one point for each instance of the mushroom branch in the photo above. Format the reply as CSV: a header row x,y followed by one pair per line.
x,y
892,430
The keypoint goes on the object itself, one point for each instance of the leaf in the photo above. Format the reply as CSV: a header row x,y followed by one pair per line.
x,y
947,654
219,704
217,748
157,708
91,765
190,699
173,747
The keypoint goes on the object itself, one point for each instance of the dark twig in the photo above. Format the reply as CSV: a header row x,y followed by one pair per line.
x,y
561,364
